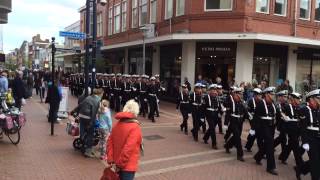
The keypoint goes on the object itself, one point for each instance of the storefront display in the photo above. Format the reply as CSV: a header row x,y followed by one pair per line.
x,y
136,61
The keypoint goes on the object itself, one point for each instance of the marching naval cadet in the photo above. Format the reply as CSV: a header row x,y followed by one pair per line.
x,y
135,87
228,104
264,123
160,90
212,108
282,98
252,104
104,81
291,126
203,110
221,113
310,132
142,89
152,98
183,103
112,90
127,89
196,105
238,113
118,87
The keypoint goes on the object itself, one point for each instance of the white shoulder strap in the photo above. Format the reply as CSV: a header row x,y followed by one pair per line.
x,y
254,103
291,109
209,100
265,107
310,114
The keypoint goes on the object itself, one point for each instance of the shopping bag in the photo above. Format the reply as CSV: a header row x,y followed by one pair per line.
x,y
110,173
9,122
22,119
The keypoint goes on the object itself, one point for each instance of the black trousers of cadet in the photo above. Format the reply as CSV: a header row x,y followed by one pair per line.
x,y
250,140
314,157
220,124
117,102
185,116
157,108
153,106
281,139
112,101
196,115
228,131
265,140
293,145
211,133
236,129
143,105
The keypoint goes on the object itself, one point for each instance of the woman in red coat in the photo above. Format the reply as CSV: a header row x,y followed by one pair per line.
x,y
124,143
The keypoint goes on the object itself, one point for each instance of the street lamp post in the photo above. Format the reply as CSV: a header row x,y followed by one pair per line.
x,y
94,43
53,51
86,61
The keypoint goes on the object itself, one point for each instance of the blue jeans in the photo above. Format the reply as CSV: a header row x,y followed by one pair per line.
x,y
126,175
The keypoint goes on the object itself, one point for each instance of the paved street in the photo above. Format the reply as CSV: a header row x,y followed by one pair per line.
x,y
169,154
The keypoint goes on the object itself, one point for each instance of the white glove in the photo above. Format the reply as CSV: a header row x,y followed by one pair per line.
x,y
145,100
189,115
202,120
306,147
252,132
225,127
158,101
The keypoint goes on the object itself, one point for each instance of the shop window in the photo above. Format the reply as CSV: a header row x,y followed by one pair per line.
x,y
134,20
110,21
280,7
214,5
262,6
153,11
317,11
180,7
168,9
143,13
305,9
124,16
99,25
136,61
117,18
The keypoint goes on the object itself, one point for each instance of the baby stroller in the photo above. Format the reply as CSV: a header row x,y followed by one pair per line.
x,y
79,142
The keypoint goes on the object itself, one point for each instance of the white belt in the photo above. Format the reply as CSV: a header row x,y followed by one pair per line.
x,y
117,88
211,109
195,104
184,102
313,128
266,118
235,115
127,90
291,120
142,91
152,95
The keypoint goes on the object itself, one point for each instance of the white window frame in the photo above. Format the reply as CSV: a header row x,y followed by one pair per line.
x,y
315,7
124,16
166,10
133,8
114,18
110,23
151,11
208,10
268,12
309,15
285,11
184,8
140,11
99,24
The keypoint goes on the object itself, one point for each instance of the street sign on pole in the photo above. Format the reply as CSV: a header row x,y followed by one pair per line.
x,y
72,35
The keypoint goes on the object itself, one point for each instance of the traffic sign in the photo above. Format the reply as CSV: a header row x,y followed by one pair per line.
x,y
72,35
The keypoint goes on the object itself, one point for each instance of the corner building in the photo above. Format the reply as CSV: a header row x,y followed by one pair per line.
x,y
240,40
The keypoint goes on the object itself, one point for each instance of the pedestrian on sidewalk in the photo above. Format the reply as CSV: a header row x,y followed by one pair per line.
x,y
54,97
125,142
105,126
18,89
3,82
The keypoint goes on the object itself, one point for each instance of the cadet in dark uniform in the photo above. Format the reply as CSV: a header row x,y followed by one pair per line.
x,y
310,132
112,84
143,96
291,127
252,104
196,105
212,108
152,98
183,102
160,90
228,104
264,123
118,87
135,87
203,110
221,113
238,113
127,89
282,98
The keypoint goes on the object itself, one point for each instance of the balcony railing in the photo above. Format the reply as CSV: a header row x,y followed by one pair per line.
x,y
5,6
3,18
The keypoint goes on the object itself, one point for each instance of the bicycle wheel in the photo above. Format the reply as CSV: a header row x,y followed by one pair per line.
x,y
14,137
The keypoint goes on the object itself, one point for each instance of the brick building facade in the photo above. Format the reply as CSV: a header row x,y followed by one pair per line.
x,y
237,40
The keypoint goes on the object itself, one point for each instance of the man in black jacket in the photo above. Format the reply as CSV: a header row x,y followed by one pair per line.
x,y
18,89
54,97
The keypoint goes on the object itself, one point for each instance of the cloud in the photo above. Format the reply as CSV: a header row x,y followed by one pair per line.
x,y
44,17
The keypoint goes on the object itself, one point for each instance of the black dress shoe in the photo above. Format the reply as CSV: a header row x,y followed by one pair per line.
x,y
297,170
227,149
181,127
214,147
273,172
186,132
205,141
240,159
258,162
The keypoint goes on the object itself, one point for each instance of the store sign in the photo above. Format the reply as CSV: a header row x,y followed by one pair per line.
x,y
208,49
215,49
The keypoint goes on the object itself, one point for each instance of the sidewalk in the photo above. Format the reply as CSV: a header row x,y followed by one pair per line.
x,y
169,154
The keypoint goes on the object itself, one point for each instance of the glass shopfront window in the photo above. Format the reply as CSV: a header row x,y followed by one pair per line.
x,y
136,61
113,62
269,64
170,69
308,70
216,59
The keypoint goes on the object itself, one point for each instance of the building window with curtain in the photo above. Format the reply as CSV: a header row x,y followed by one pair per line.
x,y
153,11
134,20
216,5
262,6
168,9
117,18
99,25
143,12
110,21
305,9
180,7
280,7
317,11
124,16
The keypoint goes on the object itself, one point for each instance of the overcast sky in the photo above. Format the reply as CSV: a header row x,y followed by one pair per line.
x,y
44,17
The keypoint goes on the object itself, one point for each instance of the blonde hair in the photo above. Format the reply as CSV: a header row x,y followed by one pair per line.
x,y
103,104
131,106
